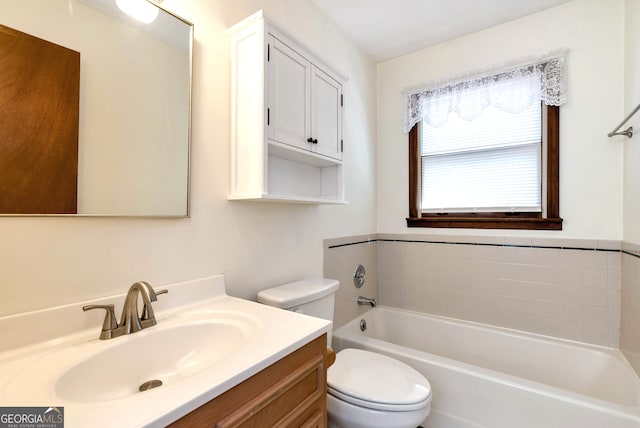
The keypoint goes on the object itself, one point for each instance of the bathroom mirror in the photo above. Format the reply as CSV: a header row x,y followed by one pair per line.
x,y
134,103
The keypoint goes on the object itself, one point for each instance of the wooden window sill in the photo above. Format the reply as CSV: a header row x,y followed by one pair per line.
x,y
450,221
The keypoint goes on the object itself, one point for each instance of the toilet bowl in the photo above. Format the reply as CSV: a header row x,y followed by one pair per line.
x,y
369,390
365,389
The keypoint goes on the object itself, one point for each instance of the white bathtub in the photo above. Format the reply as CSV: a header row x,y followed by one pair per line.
x,y
484,376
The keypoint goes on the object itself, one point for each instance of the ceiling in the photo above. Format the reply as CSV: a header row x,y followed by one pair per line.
x,y
390,28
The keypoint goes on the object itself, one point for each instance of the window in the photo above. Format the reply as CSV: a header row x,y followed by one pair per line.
x,y
486,180
492,163
484,152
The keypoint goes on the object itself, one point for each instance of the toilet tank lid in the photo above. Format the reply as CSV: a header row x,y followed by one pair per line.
x,y
297,293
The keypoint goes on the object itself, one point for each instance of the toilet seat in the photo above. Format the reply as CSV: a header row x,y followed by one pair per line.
x,y
373,405
377,382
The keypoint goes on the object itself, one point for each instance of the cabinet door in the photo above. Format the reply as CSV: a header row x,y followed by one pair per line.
x,y
292,392
288,95
326,120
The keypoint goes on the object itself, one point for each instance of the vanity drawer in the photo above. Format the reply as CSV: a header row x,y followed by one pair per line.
x,y
289,393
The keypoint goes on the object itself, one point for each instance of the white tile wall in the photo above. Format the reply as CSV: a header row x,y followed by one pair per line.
x,y
628,313
340,263
563,292
571,290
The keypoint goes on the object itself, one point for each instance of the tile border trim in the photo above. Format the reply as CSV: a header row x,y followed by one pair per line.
x,y
368,241
485,244
630,253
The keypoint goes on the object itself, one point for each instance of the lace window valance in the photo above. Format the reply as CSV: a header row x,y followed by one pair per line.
x,y
512,89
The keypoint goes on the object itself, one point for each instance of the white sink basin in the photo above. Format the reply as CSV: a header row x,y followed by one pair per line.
x,y
167,355
205,343
171,351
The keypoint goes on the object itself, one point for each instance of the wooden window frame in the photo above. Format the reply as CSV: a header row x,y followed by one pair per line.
x,y
493,220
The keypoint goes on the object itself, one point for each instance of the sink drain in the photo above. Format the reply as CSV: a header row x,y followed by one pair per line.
x,y
150,384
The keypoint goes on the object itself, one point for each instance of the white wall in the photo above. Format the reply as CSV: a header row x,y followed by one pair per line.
x,y
631,100
630,312
51,261
590,163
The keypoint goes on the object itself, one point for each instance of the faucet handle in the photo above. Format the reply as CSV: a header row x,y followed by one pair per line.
x,y
148,314
148,318
109,324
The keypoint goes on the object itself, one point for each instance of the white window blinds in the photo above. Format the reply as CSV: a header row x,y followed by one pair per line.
x,y
489,164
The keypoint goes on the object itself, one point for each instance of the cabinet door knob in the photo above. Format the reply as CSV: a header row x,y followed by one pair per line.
x,y
309,140
315,141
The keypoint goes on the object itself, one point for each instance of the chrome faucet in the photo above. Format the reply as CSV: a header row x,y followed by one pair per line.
x,y
130,320
367,301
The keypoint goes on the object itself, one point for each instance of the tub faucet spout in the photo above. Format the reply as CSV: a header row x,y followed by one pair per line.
x,y
367,301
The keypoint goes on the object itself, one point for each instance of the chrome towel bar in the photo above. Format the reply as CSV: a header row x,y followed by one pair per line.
x,y
627,132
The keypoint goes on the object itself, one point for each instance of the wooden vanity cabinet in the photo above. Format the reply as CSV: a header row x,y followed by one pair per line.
x,y
292,392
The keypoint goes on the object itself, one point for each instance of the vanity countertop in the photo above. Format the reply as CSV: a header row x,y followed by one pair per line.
x,y
33,374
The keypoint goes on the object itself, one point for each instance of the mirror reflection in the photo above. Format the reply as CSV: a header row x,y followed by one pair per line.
x,y
132,116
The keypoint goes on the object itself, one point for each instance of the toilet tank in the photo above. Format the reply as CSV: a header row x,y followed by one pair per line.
x,y
312,296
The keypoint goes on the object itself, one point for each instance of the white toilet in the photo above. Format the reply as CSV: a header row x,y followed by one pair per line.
x,y
366,390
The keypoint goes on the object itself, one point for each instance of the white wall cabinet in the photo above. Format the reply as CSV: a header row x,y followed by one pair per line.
x,y
286,142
